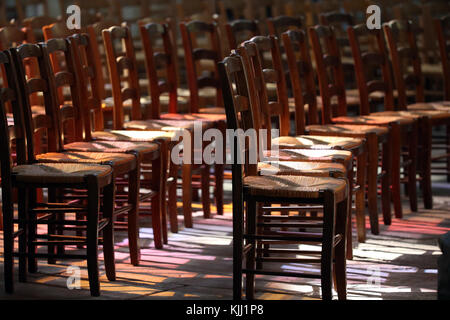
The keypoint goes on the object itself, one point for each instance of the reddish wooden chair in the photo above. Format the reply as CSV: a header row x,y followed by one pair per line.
x,y
405,56
240,30
280,24
35,24
27,175
251,226
372,62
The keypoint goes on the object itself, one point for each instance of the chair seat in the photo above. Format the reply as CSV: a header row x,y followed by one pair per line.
x,y
438,106
416,114
317,142
212,110
61,173
295,186
195,116
121,162
112,146
159,124
347,130
317,169
133,135
339,156
373,120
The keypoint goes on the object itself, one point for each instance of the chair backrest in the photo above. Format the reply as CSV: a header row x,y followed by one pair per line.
x,y
371,62
256,48
35,24
156,61
241,30
90,94
280,24
340,21
10,94
123,74
442,27
239,100
329,72
404,54
140,7
193,55
40,83
296,47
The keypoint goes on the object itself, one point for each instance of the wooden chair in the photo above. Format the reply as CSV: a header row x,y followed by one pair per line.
x,y
300,68
251,227
26,175
442,27
240,30
405,57
372,62
374,135
55,115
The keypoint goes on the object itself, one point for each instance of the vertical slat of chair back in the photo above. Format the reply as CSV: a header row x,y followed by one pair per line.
x,y
193,55
155,61
241,30
370,62
35,24
404,55
239,102
327,58
10,94
442,27
280,24
273,74
38,84
122,68
87,74
295,44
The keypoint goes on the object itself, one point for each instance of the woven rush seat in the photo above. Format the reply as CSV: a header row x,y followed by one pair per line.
x,y
162,125
132,135
339,156
373,120
194,116
60,173
317,142
212,110
322,169
415,114
346,129
121,162
111,146
294,186
439,106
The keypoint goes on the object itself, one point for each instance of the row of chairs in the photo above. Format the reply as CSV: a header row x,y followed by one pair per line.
x,y
259,235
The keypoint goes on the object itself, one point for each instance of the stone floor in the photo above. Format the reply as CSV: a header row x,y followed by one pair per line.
x,y
400,263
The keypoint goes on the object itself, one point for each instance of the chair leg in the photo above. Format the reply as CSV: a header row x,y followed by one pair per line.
x,y
164,159
250,256
32,231
51,228
205,191
329,210
372,168
156,210
92,235
361,167
238,240
448,152
349,234
22,210
8,240
172,195
187,194
108,231
386,182
412,168
133,216
340,261
219,170
395,172
426,137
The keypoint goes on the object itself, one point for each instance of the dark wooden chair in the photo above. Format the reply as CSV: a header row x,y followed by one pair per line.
x,y
405,56
26,175
35,24
56,114
280,24
442,27
333,98
240,30
374,77
251,227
